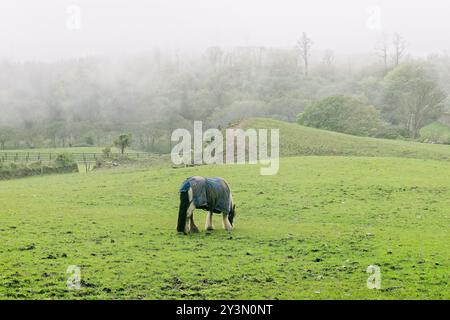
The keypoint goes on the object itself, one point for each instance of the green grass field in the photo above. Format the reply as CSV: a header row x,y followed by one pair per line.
x,y
296,140
309,232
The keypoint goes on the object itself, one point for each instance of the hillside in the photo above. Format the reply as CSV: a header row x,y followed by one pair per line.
x,y
436,132
296,140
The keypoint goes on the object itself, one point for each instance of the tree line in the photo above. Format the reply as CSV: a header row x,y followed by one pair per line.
x,y
93,100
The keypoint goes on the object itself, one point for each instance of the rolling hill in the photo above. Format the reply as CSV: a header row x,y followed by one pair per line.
x,y
436,132
296,140
309,232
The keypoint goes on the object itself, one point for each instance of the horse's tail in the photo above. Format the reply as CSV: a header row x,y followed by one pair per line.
x,y
232,213
182,213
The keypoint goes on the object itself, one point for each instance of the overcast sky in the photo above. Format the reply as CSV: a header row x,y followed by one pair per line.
x,y
54,29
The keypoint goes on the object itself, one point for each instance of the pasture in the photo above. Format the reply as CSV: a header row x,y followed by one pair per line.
x,y
296,140
309,232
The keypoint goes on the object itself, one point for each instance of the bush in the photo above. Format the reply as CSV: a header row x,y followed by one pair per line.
x,y
14,170
389,132
342,114
107,152
64,160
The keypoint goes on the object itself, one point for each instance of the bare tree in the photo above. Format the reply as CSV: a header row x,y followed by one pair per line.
x,y
382,49
328,58
305,45
327,66
399,48
214,55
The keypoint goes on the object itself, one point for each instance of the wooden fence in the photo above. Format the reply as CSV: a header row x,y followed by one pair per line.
x,y
84,157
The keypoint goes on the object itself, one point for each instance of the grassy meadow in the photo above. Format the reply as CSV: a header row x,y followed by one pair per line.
x,y
296,140
309,232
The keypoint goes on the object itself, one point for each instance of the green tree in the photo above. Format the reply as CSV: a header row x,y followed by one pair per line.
x,y
342,114
6,134
123,142
89,140
412,97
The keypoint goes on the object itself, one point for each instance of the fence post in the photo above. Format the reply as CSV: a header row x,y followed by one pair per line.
x,y
85,162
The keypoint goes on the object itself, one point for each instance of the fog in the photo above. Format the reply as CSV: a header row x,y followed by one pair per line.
x,y
41,30
81,73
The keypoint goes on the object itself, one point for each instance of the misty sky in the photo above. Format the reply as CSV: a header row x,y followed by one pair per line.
x,y
48,29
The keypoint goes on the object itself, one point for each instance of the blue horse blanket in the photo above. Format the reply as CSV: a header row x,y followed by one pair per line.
x,y
212,194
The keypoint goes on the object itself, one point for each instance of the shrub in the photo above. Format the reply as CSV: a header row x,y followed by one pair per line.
x,y
20,170
107,152
389,132
64,160
342,114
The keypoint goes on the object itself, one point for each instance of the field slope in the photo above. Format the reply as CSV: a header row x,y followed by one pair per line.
x,y
296,140
309,232
436,132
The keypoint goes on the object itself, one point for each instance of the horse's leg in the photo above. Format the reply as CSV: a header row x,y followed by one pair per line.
x,y
209,224
226,223
190,212
194,228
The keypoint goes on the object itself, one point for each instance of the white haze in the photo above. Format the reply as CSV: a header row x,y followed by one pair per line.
x,y
36,30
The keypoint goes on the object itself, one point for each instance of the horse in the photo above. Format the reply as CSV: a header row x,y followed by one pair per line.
x,y
210,194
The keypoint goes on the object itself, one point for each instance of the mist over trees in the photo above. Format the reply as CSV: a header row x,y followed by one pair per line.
x,y
92,100
413,98
343,114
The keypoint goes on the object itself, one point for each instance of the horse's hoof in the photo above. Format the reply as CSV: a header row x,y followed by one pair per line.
x,y
195,230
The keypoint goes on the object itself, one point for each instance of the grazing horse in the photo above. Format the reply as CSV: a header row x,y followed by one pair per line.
x,y
210,194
